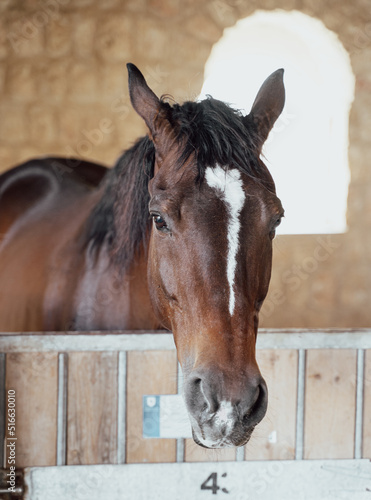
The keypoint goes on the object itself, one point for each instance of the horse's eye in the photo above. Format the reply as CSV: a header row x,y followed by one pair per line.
x,y
159,222
277,221
275,224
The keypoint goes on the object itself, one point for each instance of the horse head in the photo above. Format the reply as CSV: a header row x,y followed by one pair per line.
x,y
214,211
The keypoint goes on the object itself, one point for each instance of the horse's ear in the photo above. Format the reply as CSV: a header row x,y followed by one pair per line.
x,y
268,105
144,100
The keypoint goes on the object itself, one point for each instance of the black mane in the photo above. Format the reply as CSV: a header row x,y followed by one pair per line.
x,y
216,134
211,130
121,217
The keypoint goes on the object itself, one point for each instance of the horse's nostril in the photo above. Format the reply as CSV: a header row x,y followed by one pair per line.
x,y
194,395
257,407
197,384
201,395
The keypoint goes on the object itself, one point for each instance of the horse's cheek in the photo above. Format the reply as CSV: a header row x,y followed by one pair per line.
x,y
157,293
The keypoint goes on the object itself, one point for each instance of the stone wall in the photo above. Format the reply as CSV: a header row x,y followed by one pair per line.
x,y
63,90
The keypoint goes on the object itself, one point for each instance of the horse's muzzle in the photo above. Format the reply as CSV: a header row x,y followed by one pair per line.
x,y
224,414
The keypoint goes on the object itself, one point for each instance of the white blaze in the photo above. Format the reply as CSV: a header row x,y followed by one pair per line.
x,y
223,421
229,187
224,415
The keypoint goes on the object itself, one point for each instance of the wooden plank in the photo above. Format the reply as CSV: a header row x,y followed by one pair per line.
x,y
153,341
62,409
34,379
291,480
330,404
274,437
358,430
86,342
367,407
92,408
299,444
148,373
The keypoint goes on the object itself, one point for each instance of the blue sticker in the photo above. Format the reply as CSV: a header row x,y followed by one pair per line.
x,y
151,416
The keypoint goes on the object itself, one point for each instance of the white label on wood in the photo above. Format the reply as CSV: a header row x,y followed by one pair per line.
x,y
165,416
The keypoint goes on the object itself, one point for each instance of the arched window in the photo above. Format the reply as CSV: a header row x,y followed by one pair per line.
x,y
307,150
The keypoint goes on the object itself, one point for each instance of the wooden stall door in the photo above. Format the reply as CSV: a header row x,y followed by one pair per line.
x,y
34,378
92,408
330,403
274,437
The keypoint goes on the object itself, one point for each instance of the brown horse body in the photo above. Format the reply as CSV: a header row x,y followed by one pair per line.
x,y
79,250
47,280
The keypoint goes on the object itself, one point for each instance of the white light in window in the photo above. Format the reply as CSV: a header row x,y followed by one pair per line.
x,y
307,150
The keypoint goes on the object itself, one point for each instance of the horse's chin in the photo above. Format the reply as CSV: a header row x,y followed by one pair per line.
x,y
221,443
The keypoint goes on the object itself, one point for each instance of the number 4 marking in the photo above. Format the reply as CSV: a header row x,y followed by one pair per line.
x,y
214,483
213,486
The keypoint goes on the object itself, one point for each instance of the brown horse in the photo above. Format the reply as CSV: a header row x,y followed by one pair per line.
x,y
178,234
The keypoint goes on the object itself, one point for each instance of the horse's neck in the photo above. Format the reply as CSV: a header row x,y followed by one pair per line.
x,y
113,291
90,289
108,299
